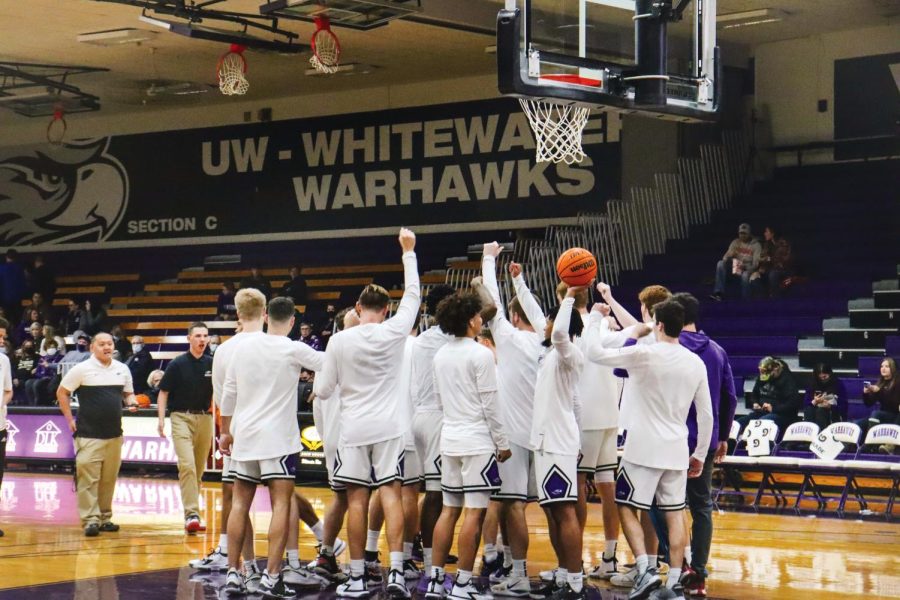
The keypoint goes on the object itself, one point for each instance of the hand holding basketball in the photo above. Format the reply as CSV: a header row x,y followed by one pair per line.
x,y
407,239
573,290
577,267
515,269
493,249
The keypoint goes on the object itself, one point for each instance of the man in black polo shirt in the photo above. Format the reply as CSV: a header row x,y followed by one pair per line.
x,y
102,384
186,389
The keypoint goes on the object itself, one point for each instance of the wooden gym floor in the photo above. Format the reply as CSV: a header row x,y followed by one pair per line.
x,y
44,553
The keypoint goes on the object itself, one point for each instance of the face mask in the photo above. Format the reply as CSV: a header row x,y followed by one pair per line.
x,y
137,347
52,351
212,347
3,350
82,347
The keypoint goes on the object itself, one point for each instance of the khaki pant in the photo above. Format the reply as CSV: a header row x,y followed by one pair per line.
x,y
192,437
97,466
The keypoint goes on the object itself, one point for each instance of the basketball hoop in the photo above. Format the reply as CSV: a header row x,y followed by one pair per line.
x,y
326,47
557,129
56,128
231,69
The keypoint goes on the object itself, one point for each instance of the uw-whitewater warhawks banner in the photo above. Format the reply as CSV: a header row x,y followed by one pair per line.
x,y
440,168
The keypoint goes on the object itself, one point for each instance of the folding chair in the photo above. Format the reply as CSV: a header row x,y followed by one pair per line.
x,y
785,460
880,468
847,434
760,430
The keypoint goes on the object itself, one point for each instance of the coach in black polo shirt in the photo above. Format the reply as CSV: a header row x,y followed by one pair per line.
x,y
186,389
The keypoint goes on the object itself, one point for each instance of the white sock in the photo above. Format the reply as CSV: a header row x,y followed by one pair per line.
x,y
426,559
437,572
327,550
271,576
407,550
318,530
249,565
575,581
507,556
561,576
293,557
609,552
397,561
490,552
463,577
223,544
641,563
372,540
688,556
674,576
499,540
357,567
518,568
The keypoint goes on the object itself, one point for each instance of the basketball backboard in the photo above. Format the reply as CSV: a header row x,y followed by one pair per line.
x,y
657,57
354,14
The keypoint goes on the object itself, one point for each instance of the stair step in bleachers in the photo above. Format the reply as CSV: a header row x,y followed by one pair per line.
x,y
879,318
186,312
163,326
236,275
158,300
99,279
847,358
887,299
851,337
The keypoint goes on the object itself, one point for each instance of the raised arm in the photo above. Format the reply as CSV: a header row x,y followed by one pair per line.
x,y
624,317
489,274
312,360
404,319
526,299
560,337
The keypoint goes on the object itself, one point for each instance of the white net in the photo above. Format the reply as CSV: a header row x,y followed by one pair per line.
x,y
557,129
232,81
326,52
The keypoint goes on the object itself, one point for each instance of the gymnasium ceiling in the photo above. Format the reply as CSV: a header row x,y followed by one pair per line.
x,y
45,31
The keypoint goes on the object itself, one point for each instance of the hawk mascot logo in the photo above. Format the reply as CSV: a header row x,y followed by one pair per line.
x,y
77,193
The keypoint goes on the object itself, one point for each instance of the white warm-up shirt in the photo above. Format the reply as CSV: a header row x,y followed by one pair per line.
x,y
6,380
465,381
422,366
260,395
406,393
222,358
598,388
366,362
518,355
556,405
664,379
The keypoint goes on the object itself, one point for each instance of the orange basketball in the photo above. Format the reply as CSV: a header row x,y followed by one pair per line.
x,y
577,267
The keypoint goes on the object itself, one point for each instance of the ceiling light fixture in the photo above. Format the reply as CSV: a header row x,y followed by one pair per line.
x,y
747,18
116,37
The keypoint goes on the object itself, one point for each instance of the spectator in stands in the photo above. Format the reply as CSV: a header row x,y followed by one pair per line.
x,y
826,398
295,288
23,329
140,363
48,333
36,333
256,280
225,307
82,349
121,345
886,393
12,284
741,260
153,380
26,359
39,304
214,342
325,325
92,317
304,390
309,338
37,388
42,279
71,320
774,261
774,395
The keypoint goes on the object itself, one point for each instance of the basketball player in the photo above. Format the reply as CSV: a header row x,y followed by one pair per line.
x,y
427,417
250,304
6,380
412,465
555,438
598,389
327,418
366,362
472,441
260,402
666,379
518,353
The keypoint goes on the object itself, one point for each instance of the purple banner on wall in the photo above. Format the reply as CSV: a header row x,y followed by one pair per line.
x,y
47,436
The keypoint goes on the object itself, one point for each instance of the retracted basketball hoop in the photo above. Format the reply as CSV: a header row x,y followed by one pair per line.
x,y
558,126
56,128
326,47
231,70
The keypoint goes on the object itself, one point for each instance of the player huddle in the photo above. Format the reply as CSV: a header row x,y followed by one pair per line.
x,y
483,432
